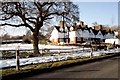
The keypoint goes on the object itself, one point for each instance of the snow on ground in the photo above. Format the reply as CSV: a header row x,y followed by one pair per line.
x,y
52,48
30,46
43,59
75,52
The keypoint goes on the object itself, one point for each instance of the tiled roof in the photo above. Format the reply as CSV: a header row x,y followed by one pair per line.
x,y
75,27
62,30
94,29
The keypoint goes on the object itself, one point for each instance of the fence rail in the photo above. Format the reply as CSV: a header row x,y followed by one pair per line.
x,y
59,57
49,50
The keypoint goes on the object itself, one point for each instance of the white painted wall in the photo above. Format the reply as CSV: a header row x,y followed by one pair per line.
x,y
99,35
79,33
91,34
72,34
109,35
117,41
116,33
60,35
85,33
54,34
72,39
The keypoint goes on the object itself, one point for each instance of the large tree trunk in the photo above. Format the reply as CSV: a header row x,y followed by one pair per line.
x,y
35,42
36,36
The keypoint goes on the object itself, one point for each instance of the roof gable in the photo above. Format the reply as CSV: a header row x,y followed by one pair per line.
x,y
95,31
62,30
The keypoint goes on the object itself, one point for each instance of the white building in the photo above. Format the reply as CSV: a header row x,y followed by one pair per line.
x,y
78,34
60,34
113,41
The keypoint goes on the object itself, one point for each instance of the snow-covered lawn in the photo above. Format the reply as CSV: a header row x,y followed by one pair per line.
x,y
43,59
30,46
51,48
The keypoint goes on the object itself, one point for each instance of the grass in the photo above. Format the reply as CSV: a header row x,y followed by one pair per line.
x,y
33,67
22,54
37,66
43,42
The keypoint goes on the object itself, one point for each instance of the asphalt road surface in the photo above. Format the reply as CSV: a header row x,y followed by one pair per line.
x,y
107,68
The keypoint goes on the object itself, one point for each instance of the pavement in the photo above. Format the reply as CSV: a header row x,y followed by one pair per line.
x,y
107,69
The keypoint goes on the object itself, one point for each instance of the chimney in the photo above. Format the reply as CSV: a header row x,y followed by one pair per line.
x,y
110,30
81,23
75,25
85,26
61,24
100,27
93,27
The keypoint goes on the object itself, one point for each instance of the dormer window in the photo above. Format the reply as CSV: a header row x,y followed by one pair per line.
x,y
61,29
71,28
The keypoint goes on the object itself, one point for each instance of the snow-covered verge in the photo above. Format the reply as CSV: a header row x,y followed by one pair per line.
x,y
52,48
43,59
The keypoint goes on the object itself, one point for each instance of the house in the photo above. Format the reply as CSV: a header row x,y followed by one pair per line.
x,y
60,34
109,34
114,41
79,33
83,33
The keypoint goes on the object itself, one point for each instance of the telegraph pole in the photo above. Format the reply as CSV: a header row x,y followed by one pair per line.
x,y
63,27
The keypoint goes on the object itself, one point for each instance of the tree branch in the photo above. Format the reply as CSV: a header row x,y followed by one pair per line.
x,y
18,7
48,18
55,13
13,25
28,19
31,18
7,18
38,6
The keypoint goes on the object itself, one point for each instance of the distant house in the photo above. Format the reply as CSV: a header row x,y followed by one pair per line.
x,y
109,35
79,33
60,34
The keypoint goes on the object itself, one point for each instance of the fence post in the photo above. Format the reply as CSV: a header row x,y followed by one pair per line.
x,y
72,50
91,55
17,60
41,51
59,51
83,48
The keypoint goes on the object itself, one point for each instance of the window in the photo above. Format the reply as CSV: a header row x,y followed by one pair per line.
x,y
61,40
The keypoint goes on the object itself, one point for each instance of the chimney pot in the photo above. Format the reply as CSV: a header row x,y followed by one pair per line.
x,y
81,23
61,24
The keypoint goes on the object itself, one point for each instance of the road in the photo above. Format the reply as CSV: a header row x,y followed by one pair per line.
x,y
107,68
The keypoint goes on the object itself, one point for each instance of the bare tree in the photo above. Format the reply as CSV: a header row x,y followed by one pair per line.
x,y
34,15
